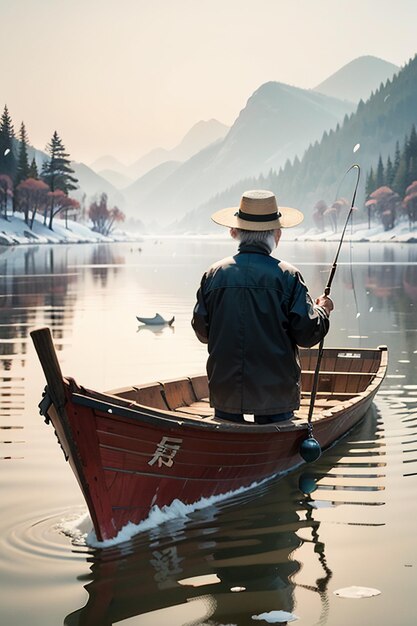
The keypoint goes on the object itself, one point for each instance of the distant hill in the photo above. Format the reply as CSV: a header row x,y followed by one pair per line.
x,y
147,162
108,162
115,178
39,155
376,125
356,80
278,122
136,193
198,137
91,184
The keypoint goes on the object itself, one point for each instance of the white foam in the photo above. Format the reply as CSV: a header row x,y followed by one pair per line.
x,y
274,617
76,526
157,516
357,592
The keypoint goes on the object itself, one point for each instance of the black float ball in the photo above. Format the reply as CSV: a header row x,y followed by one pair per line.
x,y
310,450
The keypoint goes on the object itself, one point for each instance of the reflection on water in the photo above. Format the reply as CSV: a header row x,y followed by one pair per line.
x,y
276,549
242,557
158,329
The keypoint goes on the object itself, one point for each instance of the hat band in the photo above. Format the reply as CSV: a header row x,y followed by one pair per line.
x,y
268,217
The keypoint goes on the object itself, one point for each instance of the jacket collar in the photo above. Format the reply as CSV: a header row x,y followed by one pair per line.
x,y
258,248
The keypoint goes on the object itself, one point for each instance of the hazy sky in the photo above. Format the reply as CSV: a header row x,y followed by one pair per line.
x,y
121,77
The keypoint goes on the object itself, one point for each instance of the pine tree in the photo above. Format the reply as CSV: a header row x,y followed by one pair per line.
x,y
22,157
33,170
7,157
379,179
57,172
397,157
412,156
370,183
399,184
389,173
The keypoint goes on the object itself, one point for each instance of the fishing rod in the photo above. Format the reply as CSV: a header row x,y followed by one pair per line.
x,y
310,449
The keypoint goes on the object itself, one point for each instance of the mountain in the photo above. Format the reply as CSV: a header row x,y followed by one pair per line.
x,y
198,137
108,162
147,162
136,193
115,178
91,184
356,80
376,126
278,122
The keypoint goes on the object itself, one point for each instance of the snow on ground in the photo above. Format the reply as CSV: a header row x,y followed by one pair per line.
x,y
14,231
401,233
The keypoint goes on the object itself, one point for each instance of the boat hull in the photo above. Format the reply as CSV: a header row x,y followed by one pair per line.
x,y
129,458
131,463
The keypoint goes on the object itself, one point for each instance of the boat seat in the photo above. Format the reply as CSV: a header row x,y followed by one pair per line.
x,y
146,395
200,386
336,360
198,409
341,382
320,402
178,393
151,395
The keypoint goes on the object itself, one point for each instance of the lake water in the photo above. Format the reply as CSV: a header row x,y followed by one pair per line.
x,y
273,550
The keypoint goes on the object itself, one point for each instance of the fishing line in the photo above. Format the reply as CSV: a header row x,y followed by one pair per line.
x,y
355,149
310,449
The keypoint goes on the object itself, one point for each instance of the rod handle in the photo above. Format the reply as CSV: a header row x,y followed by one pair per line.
x,y
330,279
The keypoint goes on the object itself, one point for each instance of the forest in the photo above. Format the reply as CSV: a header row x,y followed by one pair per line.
x,y
26,191
382,129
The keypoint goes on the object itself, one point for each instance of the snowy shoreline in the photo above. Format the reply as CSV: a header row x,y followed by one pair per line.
x,y
14,231
401,233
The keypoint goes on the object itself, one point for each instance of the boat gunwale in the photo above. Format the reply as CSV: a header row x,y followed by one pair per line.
x,y
175,419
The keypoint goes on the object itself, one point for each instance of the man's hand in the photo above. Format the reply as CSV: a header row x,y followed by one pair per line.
x,y
326,303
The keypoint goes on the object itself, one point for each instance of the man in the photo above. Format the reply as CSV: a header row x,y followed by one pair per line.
x,y
253,311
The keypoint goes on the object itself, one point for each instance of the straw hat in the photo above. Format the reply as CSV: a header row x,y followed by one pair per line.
x,y
258,210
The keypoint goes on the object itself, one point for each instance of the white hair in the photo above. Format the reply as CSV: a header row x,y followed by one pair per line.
x,y
257,236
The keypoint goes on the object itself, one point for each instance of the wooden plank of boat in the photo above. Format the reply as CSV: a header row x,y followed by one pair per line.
x,y
146,445
156,320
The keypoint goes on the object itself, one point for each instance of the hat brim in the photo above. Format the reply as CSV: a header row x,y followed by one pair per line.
x,y
230,217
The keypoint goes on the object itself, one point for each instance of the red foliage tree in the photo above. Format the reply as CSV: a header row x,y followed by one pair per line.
x,y
318,214
384,203
59,202
31,196
410,203
6,192
102,217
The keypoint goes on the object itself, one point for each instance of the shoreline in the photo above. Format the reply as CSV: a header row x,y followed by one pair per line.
x,y
14,231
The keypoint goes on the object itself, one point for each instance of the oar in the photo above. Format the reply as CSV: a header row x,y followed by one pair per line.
x,y
310,449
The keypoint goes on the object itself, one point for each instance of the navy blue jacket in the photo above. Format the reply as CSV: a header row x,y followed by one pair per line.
x,y
253,311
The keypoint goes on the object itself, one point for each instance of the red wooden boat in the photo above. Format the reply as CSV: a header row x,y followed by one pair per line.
x,y
143,446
